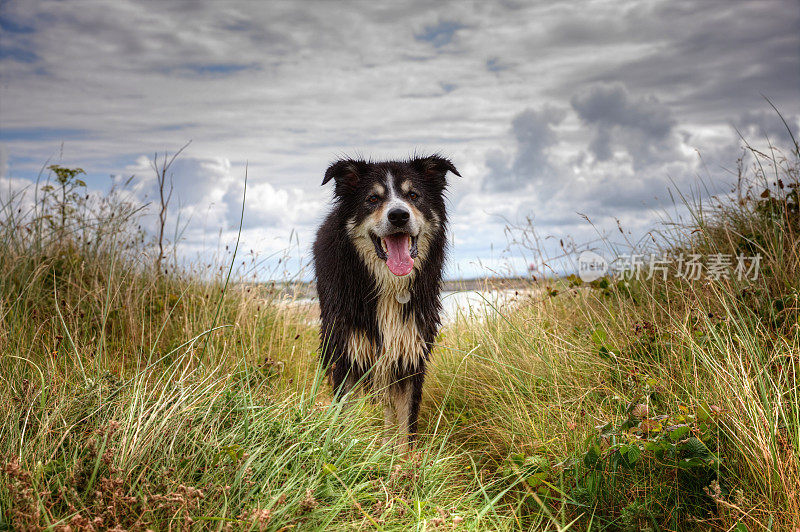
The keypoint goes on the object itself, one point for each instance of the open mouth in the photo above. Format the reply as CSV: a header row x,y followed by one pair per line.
x,y
398,250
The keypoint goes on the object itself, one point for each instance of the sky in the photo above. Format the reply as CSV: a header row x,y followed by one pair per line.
x,y
573,118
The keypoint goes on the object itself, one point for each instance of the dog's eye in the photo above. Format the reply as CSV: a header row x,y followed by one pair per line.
x,y
373,199
413,195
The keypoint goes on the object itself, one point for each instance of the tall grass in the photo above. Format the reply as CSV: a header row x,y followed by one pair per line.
x,y
138,399
589,388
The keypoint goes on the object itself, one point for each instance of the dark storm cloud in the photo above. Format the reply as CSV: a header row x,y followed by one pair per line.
x,y
534,134
643,126
711,56
766,125
611,105
638,193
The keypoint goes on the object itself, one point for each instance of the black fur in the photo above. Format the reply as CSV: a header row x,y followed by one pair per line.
x,y
348,292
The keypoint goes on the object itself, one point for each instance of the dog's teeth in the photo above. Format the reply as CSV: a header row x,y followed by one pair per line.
x,y
383,245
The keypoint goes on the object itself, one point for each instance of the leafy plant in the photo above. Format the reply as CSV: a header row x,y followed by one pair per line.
x,y
64,199
675,454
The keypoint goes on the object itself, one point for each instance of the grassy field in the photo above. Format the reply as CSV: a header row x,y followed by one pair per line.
x,y
189,398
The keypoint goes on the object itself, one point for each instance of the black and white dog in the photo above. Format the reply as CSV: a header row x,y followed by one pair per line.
x,y
378,260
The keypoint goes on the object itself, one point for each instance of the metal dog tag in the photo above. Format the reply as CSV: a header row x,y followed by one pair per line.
x,y
403,297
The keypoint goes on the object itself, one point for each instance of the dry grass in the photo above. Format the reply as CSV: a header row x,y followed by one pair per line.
x,y
133,399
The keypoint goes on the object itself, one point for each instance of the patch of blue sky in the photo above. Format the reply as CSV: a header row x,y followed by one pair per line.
x,y
22,160
439,34
99,170
493,64
30,168
98,181
18,54
10,25
175,127
210,69
11,134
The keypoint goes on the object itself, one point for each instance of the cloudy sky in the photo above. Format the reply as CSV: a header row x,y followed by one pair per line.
x,y
552,111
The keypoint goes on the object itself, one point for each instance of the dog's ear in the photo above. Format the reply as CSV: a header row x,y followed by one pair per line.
x,y
434,166
345,173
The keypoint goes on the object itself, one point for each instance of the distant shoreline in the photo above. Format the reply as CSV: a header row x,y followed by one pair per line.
x,y
494,283
307,289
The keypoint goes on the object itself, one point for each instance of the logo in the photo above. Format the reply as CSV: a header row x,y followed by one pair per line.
x,y
591,266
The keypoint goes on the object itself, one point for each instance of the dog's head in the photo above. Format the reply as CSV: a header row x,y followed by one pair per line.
x,y
394,208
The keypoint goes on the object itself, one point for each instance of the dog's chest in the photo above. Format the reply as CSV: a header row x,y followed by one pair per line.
x,y
401,349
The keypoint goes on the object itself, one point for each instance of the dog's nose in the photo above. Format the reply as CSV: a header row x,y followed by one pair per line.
x,y
398,217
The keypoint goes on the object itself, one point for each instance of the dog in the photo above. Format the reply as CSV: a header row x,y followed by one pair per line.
x,y
378,259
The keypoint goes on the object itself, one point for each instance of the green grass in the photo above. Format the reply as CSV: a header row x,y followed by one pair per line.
x,y
141,399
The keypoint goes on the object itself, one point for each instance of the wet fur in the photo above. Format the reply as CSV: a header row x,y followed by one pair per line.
x,y
366,334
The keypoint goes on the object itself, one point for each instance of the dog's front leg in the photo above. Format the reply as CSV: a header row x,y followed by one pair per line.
x,y
408,399
404,413
389,421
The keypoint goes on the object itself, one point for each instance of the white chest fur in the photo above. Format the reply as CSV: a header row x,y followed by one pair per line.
x,y
402,348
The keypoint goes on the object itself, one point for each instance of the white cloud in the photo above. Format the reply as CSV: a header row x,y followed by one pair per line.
x,y
513,93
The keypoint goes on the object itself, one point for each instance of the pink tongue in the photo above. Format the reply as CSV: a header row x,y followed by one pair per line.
x,y
399,258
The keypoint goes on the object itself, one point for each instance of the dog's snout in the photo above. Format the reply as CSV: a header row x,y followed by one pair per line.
x,y
398,217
